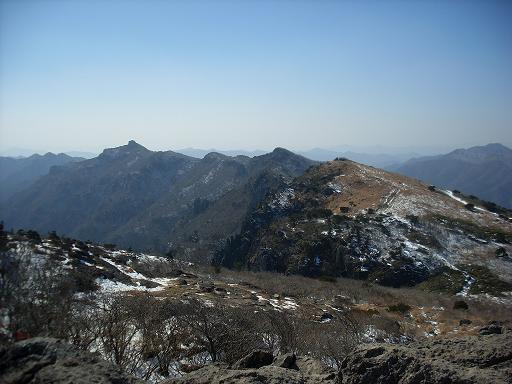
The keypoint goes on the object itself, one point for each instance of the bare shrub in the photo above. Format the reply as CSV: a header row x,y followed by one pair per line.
x,y
280,331
36,294
330,342
225,333
118,335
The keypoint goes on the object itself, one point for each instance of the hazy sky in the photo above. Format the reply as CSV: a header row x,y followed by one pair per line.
x,y
84,75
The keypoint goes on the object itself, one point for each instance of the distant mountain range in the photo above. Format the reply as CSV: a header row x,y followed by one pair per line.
x,y
135,197
380,160
138,198
200,153
18,173
484,171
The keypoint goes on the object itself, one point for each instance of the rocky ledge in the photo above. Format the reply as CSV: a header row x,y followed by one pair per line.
x,y
260,367
46,360
475,359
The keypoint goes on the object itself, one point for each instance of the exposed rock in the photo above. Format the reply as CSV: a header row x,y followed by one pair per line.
x,y
46,360
220,290
460,304
255,359
309,371
206,286
341,302
475,359
465,322
493,328
176,273
314,368
287,361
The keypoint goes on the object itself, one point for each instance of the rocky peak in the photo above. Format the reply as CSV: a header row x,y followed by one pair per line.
x,y
279,151
132,148
214,156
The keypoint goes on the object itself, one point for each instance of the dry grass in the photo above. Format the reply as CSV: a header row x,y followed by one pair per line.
x,y
430,312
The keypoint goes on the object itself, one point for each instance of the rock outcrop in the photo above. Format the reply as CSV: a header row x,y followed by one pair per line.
x,y
476,359
286,369
46,360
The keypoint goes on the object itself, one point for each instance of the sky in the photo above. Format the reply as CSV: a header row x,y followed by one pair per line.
x,y
248,74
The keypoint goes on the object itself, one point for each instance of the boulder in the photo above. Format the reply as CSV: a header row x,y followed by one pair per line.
x,y
205,286
313,372
255,359
315,368
474,359
287,361
220,291
493,328
341,302
47,360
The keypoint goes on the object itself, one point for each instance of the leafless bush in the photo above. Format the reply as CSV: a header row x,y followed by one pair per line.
x,y
83,327
280,331
331,341
36,295
225,333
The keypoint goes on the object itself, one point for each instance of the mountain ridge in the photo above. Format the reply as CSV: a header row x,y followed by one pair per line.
x,y
107,198
345,219
484,171
18,173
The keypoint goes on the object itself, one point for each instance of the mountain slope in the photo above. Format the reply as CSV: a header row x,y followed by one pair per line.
x,y
18,173
135,197
91,198
209,203
484,171
345,219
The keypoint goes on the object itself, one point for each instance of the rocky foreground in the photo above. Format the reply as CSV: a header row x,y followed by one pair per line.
x,y
46,360
475,359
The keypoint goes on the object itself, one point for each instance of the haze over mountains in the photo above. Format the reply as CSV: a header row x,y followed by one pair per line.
x,y
17,174
138,198
484,171
378,156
